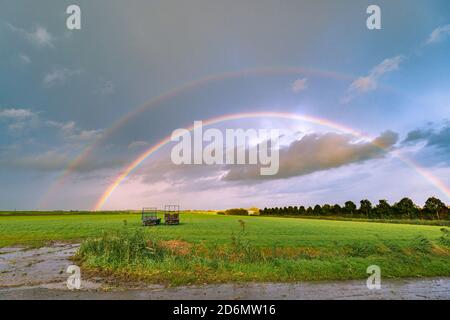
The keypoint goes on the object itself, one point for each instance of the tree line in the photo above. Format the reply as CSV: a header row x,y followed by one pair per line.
x,y
434,209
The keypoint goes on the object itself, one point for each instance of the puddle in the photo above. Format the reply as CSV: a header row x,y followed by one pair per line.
x,y
25,267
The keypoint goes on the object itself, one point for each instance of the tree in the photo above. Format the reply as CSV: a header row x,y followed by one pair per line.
x,y
365,208
236,212
383,209
302,211
406,208
290,210
326,210
317,210
336,210
349,207
435,206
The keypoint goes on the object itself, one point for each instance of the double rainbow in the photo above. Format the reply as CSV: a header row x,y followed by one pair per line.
x,y
283,115
192,85
184,88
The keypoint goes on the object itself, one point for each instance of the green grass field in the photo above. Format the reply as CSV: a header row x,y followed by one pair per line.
x,y
210,229
222,249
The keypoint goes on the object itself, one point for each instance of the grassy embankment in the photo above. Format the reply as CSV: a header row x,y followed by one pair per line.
x,y
208,248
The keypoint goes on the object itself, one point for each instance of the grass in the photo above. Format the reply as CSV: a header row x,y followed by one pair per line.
x,y
445,223
56,213
210,229
208,248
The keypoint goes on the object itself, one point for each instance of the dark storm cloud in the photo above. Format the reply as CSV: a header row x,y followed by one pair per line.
x,y
434,136
317,152
312,153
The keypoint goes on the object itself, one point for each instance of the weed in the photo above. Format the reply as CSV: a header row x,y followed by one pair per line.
x,y
445,238
422,244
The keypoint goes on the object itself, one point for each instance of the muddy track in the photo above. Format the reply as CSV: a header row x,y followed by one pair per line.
x,y
41,274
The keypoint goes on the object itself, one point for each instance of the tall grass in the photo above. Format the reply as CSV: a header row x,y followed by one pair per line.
x,y
120,248
140,253
444,240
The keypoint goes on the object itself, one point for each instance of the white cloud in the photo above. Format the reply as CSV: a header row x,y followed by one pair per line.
x,y
68,127
16,113
388,65
85,135
24,58
39,36
364,84
74,134
299,85
370,82
19,120
59,76
439,34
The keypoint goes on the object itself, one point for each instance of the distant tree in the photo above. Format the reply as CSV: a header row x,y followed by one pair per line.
x,y
336,210
317,210
435,207
406,208
326,210
383,209
236,212
365,208
290,210
349,207
302,211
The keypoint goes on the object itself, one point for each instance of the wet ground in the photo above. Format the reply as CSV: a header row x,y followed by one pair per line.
x,y
41,274
22,267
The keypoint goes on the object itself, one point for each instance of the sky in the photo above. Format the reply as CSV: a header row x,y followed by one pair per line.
x,y
78,107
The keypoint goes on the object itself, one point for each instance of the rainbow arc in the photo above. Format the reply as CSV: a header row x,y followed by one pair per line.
x,y
280,115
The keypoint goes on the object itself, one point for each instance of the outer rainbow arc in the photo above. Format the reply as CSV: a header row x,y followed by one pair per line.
x,y
177,91
284,115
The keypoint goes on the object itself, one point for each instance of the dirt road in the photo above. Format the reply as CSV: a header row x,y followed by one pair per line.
x,y
41,274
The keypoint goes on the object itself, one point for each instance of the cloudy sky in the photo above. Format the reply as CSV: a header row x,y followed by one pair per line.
x,y
64,96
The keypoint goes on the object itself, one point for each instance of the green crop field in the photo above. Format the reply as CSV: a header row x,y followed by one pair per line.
x,y
210,228
235,248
